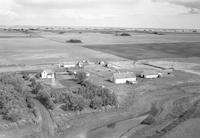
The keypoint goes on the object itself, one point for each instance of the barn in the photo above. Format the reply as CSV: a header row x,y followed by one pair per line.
x,y
48,74
121,78
150,74
68,64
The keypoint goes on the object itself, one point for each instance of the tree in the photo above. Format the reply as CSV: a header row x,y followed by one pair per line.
x,y
81,77
96,102
45,99
74,102
36,87
25,76
74,41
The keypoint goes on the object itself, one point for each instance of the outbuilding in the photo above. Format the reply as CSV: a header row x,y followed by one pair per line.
x,y
150,74
121,78
48,74
68,65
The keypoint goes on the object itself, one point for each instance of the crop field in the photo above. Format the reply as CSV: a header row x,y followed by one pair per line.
x,y
151,50
97,38
40,50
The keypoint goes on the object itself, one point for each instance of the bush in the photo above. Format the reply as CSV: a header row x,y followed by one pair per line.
x,y
38,75
61,32
15,80
30,103
158,33
45,99
12,116
25,76
74,103
74,41
14,104
81,77
36,87
125,34
90,91
96,102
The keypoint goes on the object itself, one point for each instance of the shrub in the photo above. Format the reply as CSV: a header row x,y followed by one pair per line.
x,y
25,76
61,32
30,103
74,103
13,105
158,33
90,91
74,41
125,34
13,94
12,116
38,75
36,87
15,80
96,102
45,99
81,77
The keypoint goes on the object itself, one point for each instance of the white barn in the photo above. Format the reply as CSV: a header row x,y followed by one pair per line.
x,y
150,74
68,65
48,74
121,78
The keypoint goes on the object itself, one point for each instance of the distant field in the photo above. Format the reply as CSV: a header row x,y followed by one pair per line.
x,y
50,47
151,50
135,38
40,50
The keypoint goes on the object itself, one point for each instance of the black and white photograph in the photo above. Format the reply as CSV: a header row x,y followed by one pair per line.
x,y
99,68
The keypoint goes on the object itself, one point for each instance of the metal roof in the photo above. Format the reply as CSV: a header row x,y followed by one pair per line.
x,y
123,75
49,71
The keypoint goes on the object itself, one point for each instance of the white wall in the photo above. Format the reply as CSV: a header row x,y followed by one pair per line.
x,y
122,81
151,76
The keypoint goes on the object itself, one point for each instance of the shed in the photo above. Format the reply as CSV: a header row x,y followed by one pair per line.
x,y
68,64
121,78
48,74
150,74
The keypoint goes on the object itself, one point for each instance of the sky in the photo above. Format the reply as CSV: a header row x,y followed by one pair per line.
x,y
102,13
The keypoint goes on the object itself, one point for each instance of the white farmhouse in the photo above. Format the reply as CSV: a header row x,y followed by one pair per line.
x,y
121,78
48,74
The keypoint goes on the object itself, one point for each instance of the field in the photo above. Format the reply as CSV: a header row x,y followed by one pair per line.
x,y
151,50
39,50
99,38
172,102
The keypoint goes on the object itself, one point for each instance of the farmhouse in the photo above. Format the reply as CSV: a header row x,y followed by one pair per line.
x,y
150,74
120,78
48,74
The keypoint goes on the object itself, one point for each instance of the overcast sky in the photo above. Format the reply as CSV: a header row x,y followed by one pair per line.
x,y
102,13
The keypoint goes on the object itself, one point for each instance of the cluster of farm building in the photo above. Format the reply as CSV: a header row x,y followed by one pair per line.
x,y
116,76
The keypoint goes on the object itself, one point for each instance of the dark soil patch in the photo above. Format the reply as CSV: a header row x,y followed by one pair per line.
x,y
151,50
